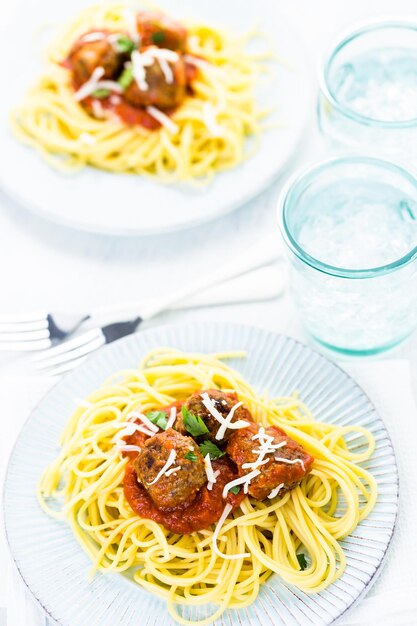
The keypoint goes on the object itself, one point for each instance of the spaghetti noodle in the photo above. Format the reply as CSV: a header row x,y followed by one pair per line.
x,y
295,535
207,133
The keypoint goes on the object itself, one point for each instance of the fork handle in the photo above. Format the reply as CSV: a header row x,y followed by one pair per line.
x,y
262,253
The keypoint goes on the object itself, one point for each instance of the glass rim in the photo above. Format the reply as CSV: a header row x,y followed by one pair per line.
x,y
300,179
361,29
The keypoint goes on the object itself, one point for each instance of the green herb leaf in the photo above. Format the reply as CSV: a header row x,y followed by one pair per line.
x,y
158,418
101,93
235,489
208,447
126,77
125,44
191,456
193,423
302,561
158,37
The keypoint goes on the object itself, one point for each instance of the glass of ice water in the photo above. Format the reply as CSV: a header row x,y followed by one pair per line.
x,y
350,228
368,90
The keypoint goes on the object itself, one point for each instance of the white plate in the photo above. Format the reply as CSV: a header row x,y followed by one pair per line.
x,y
56,569
98,201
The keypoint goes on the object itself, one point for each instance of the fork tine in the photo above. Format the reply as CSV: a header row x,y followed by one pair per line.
x,y
23,327
25,336
23,318
69,345
71,355
25,346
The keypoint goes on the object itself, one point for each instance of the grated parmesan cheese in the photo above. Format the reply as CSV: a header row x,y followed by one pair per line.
x,y
243,480
163,119
128,428
128,448
210,120
169,462
173,470
225,422
172,418
94,36
153,427
161,54
226,511
290,461
94,83
211,475
200,63
131,24
266,446
166,70
276,491
139,62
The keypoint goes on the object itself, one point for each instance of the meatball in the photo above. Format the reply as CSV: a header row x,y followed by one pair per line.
x,y
275,472
86,56
180,487
223,402
160,93
157,29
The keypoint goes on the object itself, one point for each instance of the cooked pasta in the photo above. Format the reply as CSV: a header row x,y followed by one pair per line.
x,y
207,133
295,535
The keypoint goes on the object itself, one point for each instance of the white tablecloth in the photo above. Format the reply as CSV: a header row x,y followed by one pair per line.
x,y
391,602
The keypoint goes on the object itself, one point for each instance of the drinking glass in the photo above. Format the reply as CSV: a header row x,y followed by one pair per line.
x,y
350,229
368,90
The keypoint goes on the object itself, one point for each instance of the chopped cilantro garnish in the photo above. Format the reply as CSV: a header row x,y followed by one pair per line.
x,y
101,93
191,456
208,447
302,561
125,44
193,423
158,37
235,489
158,418
126,77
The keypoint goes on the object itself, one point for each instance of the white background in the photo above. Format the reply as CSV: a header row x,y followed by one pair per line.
x,y
45,266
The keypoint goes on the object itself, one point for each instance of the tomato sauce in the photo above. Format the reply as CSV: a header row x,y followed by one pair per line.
x,y
130,115
202,513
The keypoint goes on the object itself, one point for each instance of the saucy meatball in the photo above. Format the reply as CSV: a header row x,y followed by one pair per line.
x,y
160,93
180,487
86,56
273,473
223,402
157,29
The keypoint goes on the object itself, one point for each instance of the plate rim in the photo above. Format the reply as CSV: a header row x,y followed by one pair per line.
x,y
189,327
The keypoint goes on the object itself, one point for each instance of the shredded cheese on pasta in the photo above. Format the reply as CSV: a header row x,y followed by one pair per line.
x,y
257,539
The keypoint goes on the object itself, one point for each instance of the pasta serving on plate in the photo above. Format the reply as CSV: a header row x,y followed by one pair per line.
x,y
139,92
182,475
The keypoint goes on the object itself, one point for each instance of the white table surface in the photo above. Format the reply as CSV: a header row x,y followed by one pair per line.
x,y
45,266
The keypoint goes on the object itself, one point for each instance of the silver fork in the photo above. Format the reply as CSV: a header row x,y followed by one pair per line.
x,y
37,330
263,284
41,330
73,352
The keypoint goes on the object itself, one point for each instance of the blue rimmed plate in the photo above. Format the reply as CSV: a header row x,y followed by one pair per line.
x,y
55,568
